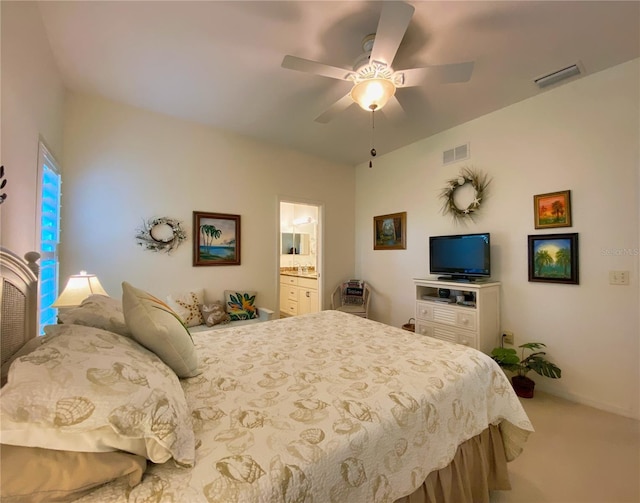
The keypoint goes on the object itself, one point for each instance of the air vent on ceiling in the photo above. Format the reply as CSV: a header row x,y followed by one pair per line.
x,y
552,78
455,154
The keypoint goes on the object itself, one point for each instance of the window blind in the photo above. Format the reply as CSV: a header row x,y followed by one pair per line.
x,y
49,236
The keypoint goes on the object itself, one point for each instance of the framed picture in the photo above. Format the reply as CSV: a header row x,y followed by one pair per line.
x,y
216,239
552,210
553,258
390,232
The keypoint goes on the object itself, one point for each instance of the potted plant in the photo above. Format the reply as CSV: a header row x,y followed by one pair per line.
x,y
508,359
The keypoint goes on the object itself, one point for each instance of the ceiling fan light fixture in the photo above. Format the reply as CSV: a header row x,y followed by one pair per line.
x,y
373,94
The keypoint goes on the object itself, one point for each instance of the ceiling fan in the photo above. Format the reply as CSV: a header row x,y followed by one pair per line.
x,y
374,80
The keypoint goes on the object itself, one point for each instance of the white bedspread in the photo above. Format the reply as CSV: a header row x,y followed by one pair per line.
x,y
327,407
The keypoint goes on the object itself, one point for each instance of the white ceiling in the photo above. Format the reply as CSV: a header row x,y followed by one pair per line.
x,y
218,62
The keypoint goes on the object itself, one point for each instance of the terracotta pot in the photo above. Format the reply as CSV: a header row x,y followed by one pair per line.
x,y
523,386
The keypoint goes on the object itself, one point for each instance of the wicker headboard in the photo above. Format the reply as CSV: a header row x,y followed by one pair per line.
x,y
19,301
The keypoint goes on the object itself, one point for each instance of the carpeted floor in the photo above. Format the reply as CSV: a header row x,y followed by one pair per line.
x,y
578,454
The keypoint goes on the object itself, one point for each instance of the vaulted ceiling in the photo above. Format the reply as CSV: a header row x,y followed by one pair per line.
x,y
219,62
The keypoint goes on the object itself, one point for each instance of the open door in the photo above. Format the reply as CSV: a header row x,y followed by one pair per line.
x,y
299,258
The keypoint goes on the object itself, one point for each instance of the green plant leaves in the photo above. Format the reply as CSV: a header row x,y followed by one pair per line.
x,y
508,359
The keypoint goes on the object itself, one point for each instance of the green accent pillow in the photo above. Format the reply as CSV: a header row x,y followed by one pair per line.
x,y
240,305
159,329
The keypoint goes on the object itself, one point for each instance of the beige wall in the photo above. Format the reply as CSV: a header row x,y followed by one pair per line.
x,y
32,102
582,136
123,165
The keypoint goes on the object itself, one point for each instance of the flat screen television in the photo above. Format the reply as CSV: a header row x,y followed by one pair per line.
x,y
461,257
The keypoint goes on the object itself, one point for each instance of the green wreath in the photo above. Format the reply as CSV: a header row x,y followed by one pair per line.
x,y
479,181
147,240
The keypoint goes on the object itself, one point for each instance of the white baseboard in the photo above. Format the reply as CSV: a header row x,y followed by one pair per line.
x,y
607,407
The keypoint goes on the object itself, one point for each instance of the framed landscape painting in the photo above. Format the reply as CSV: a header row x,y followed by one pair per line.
x,y
552,210
216,239
390,231
553,258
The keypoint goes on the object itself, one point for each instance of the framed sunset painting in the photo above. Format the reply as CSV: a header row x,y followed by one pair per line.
x,y
552,210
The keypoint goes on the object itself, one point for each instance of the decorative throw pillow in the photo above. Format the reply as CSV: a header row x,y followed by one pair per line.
x,y
159,329
240,305
214,314
37,475
187,306
99,311
90,390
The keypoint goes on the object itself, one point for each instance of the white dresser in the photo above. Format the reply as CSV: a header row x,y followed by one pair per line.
x,y
475,322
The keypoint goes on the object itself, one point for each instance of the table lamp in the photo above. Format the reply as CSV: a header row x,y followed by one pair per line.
x,y
79,287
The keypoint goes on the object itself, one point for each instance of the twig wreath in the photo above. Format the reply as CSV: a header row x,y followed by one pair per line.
x,y
161,234
479,181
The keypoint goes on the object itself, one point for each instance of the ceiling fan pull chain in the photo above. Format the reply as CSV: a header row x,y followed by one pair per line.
x,y
373,129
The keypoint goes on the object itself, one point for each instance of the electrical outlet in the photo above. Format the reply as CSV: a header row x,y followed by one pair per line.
x,y
618,277
507,337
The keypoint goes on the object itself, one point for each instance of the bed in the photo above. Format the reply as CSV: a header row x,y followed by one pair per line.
x,y
325,407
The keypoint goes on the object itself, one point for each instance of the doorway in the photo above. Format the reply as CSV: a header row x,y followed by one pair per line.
x,y
299,258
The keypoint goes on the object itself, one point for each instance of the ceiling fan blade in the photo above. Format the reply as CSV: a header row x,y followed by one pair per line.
x,y
393,109
339,106
442,74
394,21
308,66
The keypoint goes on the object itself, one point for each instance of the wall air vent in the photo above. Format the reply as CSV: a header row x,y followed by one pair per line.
x,y
454,154
553,78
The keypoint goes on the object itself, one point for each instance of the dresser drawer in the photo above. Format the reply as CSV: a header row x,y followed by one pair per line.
x,y
289,280
424,310
455,316
424,328
291,308
292,293
467,340
308,283
445,334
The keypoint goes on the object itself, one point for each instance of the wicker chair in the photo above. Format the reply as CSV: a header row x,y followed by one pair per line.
x,y
343,298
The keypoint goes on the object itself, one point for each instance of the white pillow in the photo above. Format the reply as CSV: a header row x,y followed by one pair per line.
x,y
26,348
99,311
159,329
90,390
187,306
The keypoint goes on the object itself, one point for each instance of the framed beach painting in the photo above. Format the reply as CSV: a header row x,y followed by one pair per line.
x,y
390,231
216,239
553,258
552,210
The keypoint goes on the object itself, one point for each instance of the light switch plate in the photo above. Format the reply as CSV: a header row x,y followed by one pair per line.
x,y
618,277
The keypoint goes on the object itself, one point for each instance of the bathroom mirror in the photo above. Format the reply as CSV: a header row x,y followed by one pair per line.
x,y
294,244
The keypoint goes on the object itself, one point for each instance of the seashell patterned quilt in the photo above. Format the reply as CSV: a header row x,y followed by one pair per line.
x,y
327,407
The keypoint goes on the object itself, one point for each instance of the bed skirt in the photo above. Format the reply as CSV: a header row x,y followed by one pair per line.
x,y
479,466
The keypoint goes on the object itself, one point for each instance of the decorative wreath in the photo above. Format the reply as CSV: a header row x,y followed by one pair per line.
x,y
146,238
479,181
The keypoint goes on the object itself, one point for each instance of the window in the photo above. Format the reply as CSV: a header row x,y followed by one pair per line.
x,y
49,215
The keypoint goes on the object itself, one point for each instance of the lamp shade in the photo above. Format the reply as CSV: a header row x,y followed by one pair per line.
x,y
373,94
79,287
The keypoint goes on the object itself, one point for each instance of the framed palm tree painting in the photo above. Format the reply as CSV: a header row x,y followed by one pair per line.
x,y
553,258
216,239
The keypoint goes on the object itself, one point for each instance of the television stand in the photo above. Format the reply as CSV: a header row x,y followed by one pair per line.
x,y
473,321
